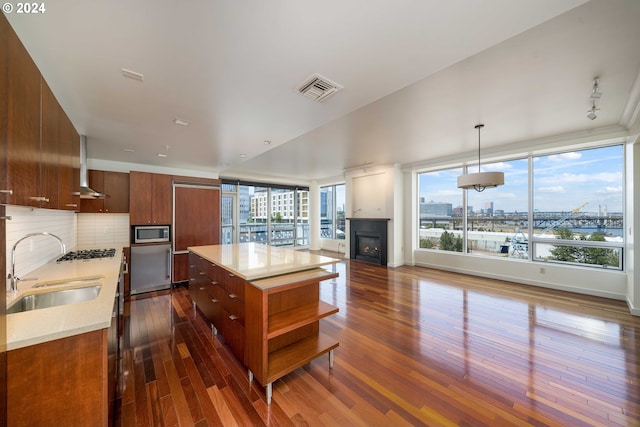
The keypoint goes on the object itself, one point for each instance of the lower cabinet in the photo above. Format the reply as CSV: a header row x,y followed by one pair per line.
x,y
64,382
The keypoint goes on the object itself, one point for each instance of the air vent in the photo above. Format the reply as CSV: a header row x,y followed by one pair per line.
x,y
318,88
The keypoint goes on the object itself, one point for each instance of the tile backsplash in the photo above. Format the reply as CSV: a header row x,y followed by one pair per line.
x,y
38,250
103,229
75,230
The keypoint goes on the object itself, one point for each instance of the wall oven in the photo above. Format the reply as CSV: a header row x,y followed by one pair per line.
x,y
150,234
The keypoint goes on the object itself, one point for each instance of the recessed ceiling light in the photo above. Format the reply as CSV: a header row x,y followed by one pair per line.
x,y
162,155
181,122
266,142
132,74
129,150
243,156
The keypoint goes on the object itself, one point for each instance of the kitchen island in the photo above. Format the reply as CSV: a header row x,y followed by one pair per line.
x,y
264,301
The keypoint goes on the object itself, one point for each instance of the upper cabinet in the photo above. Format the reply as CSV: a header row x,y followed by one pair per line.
x,y
150,200
115,185
41,144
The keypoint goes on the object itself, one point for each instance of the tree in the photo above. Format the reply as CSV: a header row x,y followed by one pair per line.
x,y
449,242
562,252
599,256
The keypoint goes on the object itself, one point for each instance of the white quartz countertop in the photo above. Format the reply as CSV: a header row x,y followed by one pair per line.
x,y
253,261
47,324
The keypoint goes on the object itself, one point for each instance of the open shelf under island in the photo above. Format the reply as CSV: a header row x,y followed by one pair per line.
x,y
265,302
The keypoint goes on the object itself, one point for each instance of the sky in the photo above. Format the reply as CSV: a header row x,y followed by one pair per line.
x,y
562,182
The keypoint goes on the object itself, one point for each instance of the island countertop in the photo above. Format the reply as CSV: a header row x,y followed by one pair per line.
x,y
253,261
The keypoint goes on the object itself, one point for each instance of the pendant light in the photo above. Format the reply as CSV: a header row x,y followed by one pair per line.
x,y
481,180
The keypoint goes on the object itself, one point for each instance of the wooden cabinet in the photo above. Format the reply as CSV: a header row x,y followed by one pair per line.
x,y
23,124
63,381
69,165
115,185
219,295
272,325
38,137
196,221
150,199
282,324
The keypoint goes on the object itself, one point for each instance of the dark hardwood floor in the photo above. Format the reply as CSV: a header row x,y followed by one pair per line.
x,y
417,347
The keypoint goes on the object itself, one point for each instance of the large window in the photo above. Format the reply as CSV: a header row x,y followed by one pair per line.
x,y
578,207
440,211
332,216
564,208
275,215
497,217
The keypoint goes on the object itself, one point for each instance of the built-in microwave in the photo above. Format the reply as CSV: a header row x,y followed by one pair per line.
x,y
150,233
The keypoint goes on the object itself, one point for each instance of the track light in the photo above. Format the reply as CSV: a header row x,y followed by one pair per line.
x,y
591,113
595,97
595,93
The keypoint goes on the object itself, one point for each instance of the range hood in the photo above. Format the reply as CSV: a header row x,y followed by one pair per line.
x,y
86,192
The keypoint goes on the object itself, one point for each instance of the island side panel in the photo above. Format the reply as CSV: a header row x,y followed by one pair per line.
x,y
256,323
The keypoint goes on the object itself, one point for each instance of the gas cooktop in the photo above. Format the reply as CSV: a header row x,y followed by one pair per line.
x,y
87,254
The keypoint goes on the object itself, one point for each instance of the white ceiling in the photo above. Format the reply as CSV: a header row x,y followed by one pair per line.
x,y
417,76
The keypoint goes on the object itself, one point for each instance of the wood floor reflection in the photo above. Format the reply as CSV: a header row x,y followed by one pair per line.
x,y
417,347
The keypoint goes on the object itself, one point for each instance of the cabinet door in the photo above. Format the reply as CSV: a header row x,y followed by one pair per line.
x,y
197,217
116,185
161,206
23,125
140,186
49,148
4,37
69,168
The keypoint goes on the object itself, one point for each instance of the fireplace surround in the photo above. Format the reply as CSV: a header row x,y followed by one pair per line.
x,y
368,239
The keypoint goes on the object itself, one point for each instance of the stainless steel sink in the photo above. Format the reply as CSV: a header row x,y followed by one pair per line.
x,y
54,298
65,282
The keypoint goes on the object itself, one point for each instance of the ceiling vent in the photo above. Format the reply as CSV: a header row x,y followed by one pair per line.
x,y
318,88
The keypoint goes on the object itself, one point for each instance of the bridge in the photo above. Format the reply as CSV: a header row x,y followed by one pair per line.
x,y
541,221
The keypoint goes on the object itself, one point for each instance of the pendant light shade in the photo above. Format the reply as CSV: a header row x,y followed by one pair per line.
x,y
481,180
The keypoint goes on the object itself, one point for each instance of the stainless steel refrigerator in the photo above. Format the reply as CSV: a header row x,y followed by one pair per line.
x,y
150,267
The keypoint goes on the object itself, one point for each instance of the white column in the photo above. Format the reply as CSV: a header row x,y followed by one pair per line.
x,y
314,216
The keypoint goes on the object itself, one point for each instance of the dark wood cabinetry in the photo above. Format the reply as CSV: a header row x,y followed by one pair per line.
x,y
23,124
115,185
196,220
219,295
62,382
69,165
150,198
41,145
272,325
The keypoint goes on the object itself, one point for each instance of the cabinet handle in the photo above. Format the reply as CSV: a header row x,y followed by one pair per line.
x,y
71,205
233,317
232,275
5,217
39,199
213,282
233,296
6,191
191,279
203,288
192,266
202,273
215,301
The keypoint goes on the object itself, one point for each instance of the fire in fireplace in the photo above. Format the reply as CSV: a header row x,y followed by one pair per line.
x,y
368,239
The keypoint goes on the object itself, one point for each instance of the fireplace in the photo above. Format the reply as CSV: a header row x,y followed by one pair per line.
x,y
368,240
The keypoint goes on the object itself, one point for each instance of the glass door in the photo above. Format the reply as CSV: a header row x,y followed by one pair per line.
x,y
228,218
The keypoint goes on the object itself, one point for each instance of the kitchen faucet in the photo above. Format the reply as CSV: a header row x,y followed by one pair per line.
x,y
12,276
